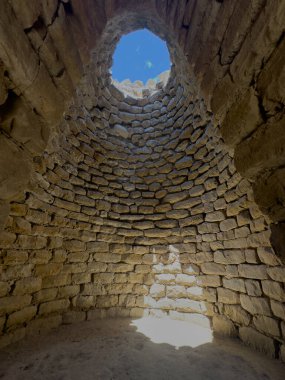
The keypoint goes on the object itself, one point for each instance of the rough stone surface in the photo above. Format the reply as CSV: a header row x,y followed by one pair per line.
x,y
119,205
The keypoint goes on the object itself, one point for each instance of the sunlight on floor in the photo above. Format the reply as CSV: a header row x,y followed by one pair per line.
x,y
174,332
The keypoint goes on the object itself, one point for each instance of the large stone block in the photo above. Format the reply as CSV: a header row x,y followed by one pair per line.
x,y
228,296
267,325
21,316
14,303
223,326
255,305
15,170
257,340
53,306
237,314
253,271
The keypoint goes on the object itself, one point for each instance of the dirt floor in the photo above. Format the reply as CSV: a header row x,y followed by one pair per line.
x,y
146,349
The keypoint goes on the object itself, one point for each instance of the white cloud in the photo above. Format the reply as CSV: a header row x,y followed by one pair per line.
x,y
148,64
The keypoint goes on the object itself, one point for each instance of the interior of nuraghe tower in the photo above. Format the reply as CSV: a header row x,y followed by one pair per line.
x,y
126,208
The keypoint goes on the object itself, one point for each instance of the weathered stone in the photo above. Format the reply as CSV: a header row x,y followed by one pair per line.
x,y
223,326
257,340
208,280
266,325
253,271
255,305
228,296
22,316
53,306
278,309
130,199
13,303
277,273
237,314
273,290
28,285
121,131
236,284
213,268
229,257
253,288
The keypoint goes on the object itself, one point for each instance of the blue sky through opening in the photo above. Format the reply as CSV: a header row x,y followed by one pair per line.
x,y
140,55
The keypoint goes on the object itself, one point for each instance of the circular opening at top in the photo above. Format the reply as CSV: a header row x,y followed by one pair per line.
x,y
141,64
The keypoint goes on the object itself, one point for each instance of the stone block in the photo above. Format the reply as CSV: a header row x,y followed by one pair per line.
x,y
228,296
257,340
4,288
237,314
15,169
253,271
45,295
228,224
74,245
50,269
73,317
107,301
267,325
14,303
81,278
253,288
53,306
229,257
58,280
277,273
278,309
21,316
68,291
27,285
209,280
273,290
216,216
236,243
165,278
223,326
234,127
213,268
267,256
236,284
255,305
185,279
84,302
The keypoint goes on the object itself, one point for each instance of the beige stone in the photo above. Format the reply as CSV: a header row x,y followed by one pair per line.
x,y
257,340
255,305
228,296
237,314
253,271
267,325
53,306
21,316
223,326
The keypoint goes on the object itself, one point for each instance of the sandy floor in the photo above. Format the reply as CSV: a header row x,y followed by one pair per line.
x,y
114,349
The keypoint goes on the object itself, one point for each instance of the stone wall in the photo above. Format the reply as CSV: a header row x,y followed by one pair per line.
x,y
137,208
134,206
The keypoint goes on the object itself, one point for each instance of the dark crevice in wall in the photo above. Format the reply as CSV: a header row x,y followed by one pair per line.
x,y
277,239
68,7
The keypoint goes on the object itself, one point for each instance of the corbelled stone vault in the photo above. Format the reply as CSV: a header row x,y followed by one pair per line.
x,y
166,203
